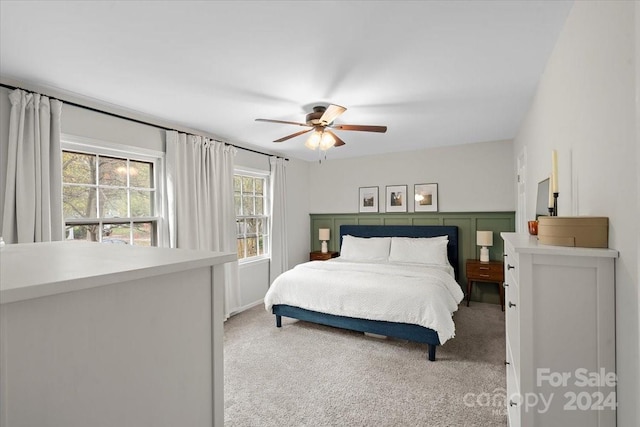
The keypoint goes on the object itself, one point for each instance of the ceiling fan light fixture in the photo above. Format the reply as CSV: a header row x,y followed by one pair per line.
x,y
319,124
314,140
327,141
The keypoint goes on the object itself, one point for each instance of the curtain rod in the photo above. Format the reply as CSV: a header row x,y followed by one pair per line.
x,y
119,116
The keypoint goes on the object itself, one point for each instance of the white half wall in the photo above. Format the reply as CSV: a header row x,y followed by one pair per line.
x,y
471,177
585,107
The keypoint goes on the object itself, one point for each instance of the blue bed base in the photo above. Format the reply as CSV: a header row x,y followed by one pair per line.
x,y
405,331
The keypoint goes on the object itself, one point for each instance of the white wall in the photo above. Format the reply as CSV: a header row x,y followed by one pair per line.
x,y
471,177
585,107
90,124
253,161
298,181
253,279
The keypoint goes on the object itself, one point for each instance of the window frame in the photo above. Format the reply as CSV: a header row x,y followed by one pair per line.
x,y
102,148
255,173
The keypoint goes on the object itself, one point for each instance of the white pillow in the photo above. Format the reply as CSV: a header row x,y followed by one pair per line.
x,y
365,248
427,250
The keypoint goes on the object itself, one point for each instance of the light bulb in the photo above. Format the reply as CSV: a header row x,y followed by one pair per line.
x,y
313,141
327,141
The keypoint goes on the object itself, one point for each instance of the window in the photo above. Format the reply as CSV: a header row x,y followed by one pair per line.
x,y
252,223
110,198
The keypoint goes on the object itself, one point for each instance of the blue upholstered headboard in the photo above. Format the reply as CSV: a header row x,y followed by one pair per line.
x,y
408,231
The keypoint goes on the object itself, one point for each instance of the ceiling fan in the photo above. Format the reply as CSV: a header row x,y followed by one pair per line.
x,y
320,121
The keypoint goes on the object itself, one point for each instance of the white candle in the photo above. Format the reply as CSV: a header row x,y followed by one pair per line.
x,y
550,192
554,171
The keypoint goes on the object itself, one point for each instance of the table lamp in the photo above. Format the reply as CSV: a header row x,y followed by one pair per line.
x,y
484,239
323,235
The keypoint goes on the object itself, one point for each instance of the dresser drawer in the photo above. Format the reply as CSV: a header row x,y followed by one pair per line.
x,y
512,322
512,308
512,326
322,256
513,400
511,268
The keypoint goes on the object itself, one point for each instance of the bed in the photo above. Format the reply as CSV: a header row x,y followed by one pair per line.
x,y
353,279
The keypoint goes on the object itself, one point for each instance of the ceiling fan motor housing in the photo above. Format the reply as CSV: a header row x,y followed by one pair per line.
x,y
314,117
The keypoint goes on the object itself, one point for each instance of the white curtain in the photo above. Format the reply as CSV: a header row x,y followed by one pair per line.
x,y
200,204
32,199
278,211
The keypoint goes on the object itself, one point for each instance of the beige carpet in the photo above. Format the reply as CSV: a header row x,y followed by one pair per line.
x,y
310,375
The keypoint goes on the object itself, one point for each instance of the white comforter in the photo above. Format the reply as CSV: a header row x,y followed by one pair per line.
x,y
419,295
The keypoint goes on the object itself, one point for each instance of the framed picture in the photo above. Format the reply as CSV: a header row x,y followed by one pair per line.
x,y
368,199
396,199
425,197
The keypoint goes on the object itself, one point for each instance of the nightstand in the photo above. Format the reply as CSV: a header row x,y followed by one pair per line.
x,y
491,272
319,256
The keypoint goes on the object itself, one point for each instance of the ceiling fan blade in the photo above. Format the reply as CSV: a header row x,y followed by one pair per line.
x,y
282,121
293,135
331,113
365,128
339,142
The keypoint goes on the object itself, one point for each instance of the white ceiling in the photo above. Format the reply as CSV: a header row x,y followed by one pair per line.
x,y
435,72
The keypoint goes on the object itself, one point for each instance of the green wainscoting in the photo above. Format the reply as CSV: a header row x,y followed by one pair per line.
x,y
467,223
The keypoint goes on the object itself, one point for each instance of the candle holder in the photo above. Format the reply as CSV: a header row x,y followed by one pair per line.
x,y
555,203
551,212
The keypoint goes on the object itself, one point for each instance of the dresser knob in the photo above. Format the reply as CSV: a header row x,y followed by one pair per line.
x,y
504,285
512,403
511,304
505,255
510,267
507,363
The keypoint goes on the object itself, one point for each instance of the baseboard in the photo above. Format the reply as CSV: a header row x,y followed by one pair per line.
x,y
246,307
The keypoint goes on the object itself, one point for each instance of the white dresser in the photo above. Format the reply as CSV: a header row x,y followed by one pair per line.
x,y
560,326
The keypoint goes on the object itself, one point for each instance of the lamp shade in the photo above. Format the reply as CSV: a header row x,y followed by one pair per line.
x,y
484,238
323,234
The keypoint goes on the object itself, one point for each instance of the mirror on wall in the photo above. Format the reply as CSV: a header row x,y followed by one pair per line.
x,y
542,202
